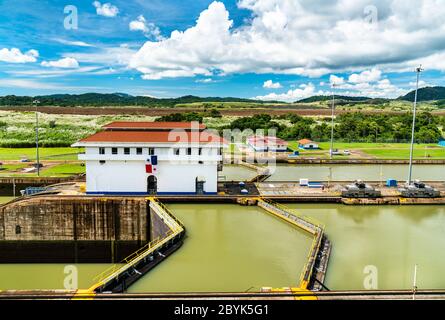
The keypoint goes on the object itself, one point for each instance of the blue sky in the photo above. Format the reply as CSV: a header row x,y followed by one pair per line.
x,y
267,49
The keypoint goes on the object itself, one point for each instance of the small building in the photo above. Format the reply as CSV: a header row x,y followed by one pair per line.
x,y
266,144
307,144
139,158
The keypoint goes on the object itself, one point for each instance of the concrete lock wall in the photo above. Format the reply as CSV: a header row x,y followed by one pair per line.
x,y
72,229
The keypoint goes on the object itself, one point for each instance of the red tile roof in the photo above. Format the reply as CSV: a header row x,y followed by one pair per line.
x,y
305,141
153,137
122,125
258,140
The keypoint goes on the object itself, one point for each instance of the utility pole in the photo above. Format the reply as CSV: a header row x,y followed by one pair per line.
x,y
36,102
418,71
415,282
332,121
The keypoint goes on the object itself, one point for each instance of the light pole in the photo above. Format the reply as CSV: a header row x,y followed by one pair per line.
x,y
415,282
413,129
332,121
36,102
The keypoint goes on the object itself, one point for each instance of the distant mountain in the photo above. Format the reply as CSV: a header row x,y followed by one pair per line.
x,y
328,98
114,99
425,94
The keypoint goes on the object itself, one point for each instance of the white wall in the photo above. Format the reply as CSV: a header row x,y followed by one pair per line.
x,y
130,176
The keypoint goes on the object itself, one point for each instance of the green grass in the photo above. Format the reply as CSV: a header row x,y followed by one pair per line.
x,y
377,150
45,153
61,170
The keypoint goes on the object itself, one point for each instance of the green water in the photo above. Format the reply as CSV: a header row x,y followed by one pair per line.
x,y
228,248
391,238
237,173
4,199
283,172
234,248
353,172
47,276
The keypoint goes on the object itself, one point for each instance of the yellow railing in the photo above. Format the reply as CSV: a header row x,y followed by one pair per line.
x,y
317,232
295,212
176,227
306,273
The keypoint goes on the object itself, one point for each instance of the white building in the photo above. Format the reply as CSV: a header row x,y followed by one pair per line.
x,y
307,144
139,158
266,144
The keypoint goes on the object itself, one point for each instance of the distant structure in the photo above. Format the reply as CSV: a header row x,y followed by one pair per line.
x,y
267,144
139,158
307,144
442,143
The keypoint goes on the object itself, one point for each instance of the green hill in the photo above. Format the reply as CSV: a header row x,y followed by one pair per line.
x,y
328,98
114,99
426,94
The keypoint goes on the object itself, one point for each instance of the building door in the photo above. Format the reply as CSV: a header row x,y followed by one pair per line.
x,y
199,186
152,185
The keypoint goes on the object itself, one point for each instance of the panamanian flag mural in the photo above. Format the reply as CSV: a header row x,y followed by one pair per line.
x,y
151,165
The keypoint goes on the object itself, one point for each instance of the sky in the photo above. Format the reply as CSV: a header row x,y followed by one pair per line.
x,y
283,50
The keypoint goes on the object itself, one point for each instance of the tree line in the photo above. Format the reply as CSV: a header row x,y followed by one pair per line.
x,y
351,127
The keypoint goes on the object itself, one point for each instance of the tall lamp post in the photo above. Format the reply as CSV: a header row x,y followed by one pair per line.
x,y
36,102
418,71
332,121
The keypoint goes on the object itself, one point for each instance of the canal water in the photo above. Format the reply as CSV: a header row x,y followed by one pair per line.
x,y
386,239
235,248
228,248
285,172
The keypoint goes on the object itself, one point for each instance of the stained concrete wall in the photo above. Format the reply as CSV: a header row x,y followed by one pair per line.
x,y
75,229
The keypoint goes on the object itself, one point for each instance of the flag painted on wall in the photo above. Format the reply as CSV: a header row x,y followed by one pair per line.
x,y
150,165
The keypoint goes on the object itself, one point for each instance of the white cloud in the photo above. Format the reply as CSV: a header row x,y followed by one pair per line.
x,y
73,43
422,84
104,56
68,62
27,83
304,91
48,73
366,76
367,83
14,55
207,80
150,30
269,84
106,9
301,37
334,80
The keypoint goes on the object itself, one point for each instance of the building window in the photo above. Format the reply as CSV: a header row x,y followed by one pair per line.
x,y
200,151
138,150
102,161
189,151
101,150
126,150
151,151
176,151
113,150
201,162
18,229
